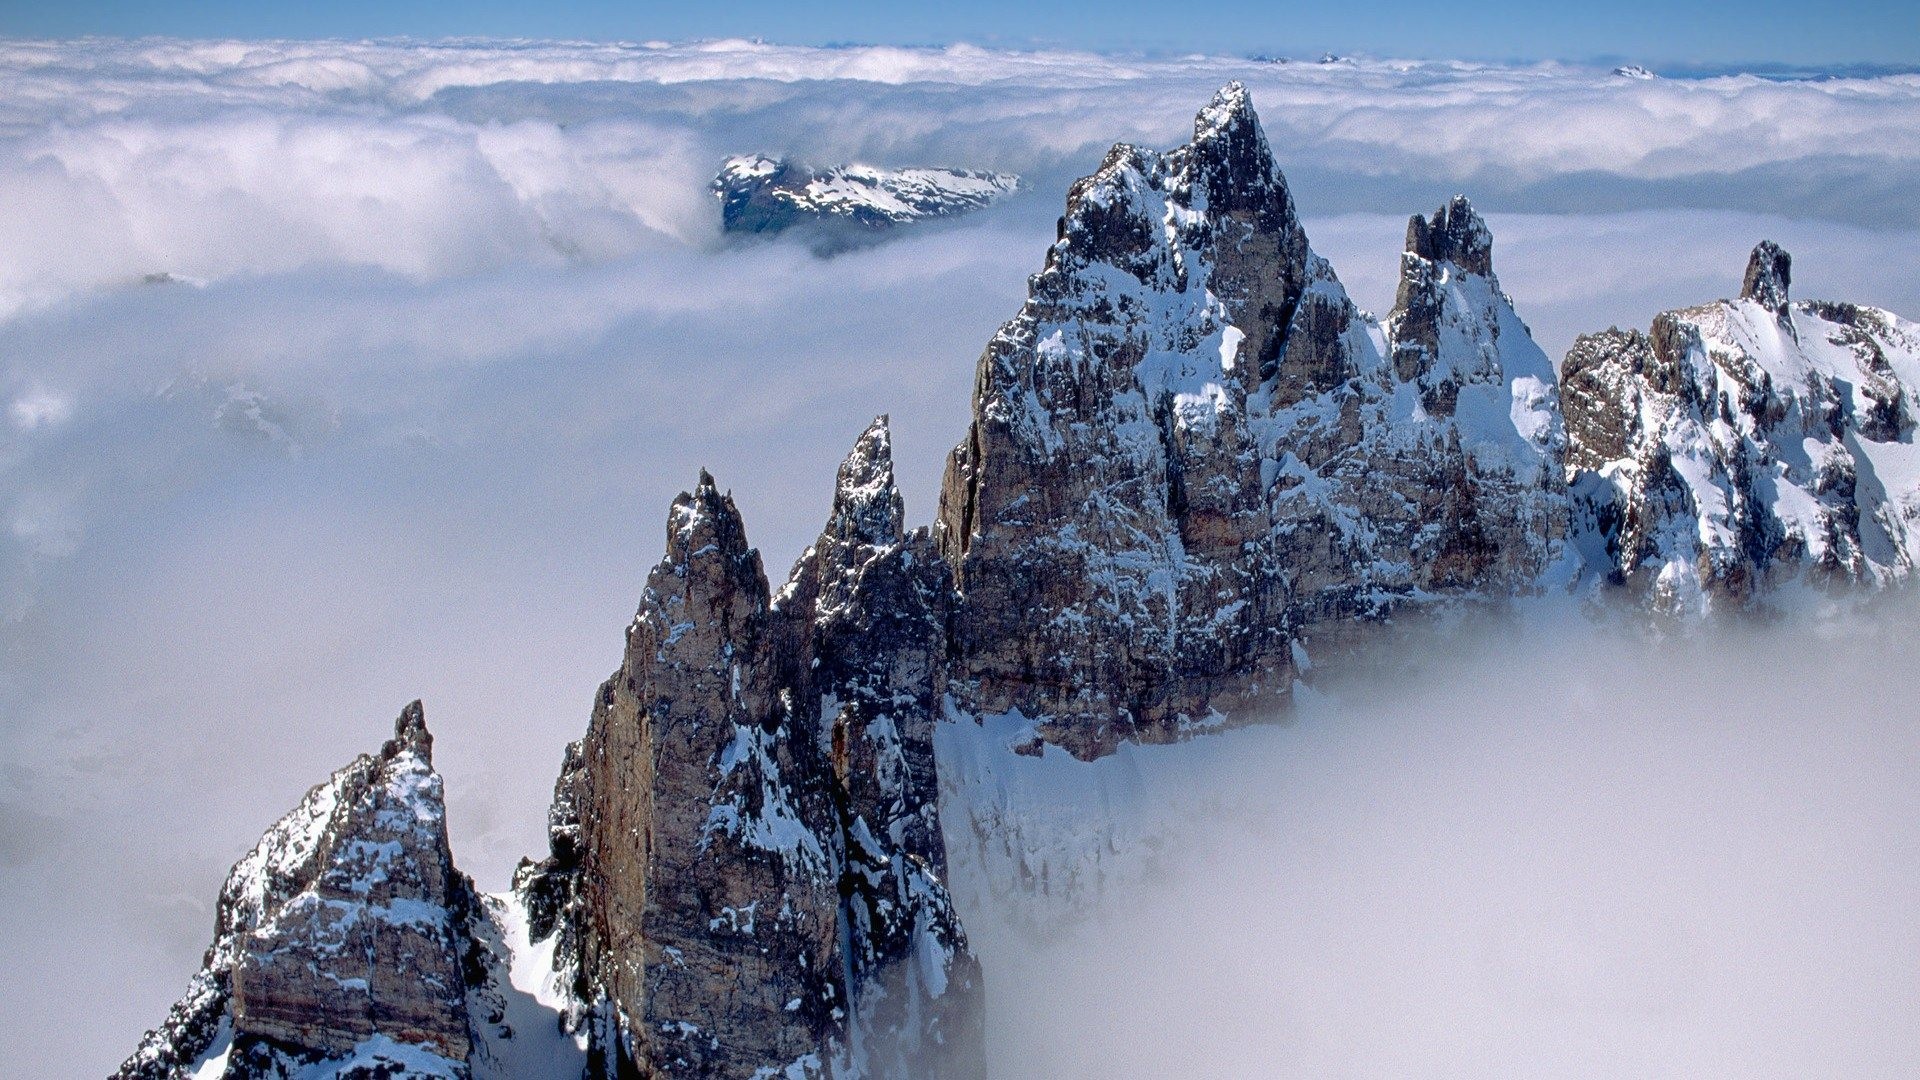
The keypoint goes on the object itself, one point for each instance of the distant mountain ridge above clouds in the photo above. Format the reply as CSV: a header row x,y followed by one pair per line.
x,y
536,153
847,204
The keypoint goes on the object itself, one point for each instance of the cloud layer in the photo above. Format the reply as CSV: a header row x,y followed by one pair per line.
x,y
336,374
1578,857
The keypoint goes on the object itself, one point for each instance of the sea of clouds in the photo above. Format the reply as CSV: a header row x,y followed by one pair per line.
x,y
338,374
1572,853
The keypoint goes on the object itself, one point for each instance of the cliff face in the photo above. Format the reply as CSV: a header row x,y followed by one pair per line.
x,y
746,849
1105,515
1746,444
867,608
1190,447
344,938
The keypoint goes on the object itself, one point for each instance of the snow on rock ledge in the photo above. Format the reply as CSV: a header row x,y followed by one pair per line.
x,y
342,940
1748,444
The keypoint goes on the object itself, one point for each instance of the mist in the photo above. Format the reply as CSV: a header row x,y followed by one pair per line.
x,y
1567,853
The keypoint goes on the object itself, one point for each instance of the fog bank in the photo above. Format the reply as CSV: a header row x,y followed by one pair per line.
x,y
1560,854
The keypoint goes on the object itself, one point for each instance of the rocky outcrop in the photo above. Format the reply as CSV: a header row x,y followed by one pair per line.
x,y
699,837
865,614
1745,444
746,857
1106,514
1190,448
1769,273
846,205
343,938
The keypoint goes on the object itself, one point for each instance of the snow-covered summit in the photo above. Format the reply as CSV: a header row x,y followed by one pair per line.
x,y
1749,443
1190,446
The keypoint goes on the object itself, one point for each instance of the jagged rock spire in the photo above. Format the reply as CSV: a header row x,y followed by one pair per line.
x,y
1769,273
1232,163
704,901
704,528
347,922
1455,234
1453,327
410,733
867,508
744,885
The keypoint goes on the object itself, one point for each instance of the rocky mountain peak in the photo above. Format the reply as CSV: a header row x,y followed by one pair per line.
x,y
1452,327
1232,168
410,735
343,938
707,541
1456,234
1743,445
867,507
1769,273
1231,109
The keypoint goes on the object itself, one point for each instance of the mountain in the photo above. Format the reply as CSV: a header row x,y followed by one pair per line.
x,y
746,864
345,939
847,204
1190,447
1746,444
1192,463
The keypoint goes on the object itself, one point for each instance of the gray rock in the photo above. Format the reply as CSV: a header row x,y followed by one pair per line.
x,y
1769,273
343,937
1742,445
746,859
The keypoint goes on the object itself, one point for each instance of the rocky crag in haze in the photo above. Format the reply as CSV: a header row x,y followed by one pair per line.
x,y
345,938
746,867
1191,458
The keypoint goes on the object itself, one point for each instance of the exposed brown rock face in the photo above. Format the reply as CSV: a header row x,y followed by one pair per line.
x,y
867,607
1726,450
1105,515
707,863
346,925
746,849
1188,449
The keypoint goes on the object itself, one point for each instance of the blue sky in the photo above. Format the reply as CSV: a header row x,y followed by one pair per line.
x,y
1787,32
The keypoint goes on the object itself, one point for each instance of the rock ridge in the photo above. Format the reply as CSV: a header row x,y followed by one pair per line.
x,y
745,864
342,938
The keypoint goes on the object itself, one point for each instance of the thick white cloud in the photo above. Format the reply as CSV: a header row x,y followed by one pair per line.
x,y
1571,857
214,159
443,328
